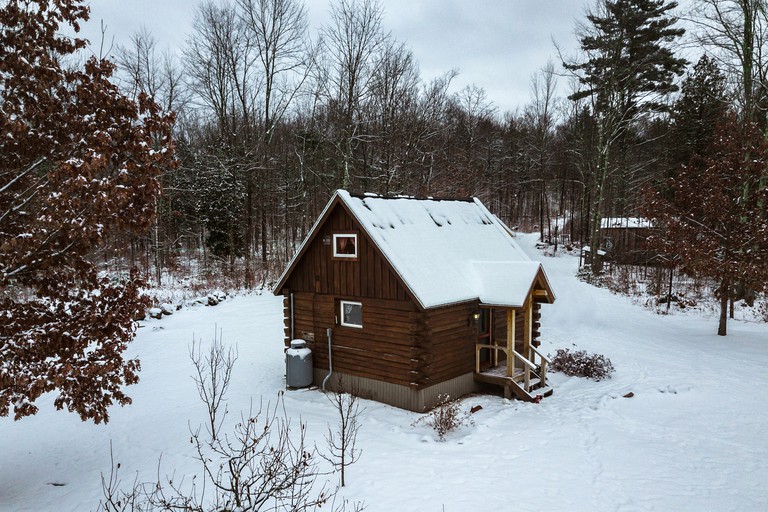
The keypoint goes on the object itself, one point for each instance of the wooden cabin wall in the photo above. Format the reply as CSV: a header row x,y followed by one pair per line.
x,y
500,326
388,347
535,341
630,245
450,337
370,275
397,344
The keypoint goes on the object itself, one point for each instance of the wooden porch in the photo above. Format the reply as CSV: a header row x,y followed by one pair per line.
x,y
513,364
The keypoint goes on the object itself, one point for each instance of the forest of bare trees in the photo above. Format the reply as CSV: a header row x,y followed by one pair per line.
x,y
271,117
213,161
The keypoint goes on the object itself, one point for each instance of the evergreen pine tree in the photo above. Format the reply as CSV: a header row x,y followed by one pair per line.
x,y
628,68
701,107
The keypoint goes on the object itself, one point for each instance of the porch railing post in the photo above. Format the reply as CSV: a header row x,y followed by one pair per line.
x,y
527,331
510,342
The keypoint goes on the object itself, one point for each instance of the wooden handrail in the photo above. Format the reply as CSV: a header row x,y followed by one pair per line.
x,y
524,360
544,363
542,356
494,347
529,366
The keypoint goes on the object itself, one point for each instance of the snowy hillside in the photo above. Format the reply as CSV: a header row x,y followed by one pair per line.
x,y
691,438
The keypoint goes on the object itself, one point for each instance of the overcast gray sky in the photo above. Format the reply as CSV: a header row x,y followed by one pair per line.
x,y
494,44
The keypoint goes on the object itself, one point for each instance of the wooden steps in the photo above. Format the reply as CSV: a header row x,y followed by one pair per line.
x,y
520,377
515,389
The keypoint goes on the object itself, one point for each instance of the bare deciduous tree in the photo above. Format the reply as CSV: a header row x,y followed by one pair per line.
x,y
353,39
213,372
391,110
540,115
278,32
263,463
736,32
219,60
342,442
158,75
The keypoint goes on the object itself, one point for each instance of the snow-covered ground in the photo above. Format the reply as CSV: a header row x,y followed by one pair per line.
x,y
692,438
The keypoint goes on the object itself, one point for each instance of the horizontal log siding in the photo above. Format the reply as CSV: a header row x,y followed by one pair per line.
x,y
397,343
367,276
629,245
500,326
386,348
449,337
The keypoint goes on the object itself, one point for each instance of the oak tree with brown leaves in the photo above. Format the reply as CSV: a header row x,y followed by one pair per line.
x,y
78,160
712,215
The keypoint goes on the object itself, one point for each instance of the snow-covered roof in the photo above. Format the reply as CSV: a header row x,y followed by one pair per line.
x,y
505,283
586,248
626,222
445,251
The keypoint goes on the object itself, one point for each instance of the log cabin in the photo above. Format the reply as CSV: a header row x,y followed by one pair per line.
x,y
406,299
625,240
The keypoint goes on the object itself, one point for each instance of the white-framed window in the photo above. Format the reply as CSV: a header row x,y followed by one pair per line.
x,y
351,314
345,245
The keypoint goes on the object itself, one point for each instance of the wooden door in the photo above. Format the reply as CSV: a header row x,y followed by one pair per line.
x,y
485,336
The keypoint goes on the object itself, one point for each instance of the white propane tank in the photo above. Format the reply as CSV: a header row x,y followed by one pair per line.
x,y
298,365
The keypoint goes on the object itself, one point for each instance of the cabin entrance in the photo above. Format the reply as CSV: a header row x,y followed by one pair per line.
x,y
484,336
511,361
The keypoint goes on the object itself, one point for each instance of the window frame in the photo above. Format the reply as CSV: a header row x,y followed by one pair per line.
x,y
342,323
353,236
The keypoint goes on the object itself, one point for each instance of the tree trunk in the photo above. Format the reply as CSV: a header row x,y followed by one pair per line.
x,y
669,290
595,260
724,289
264,254
249,230
601,173
732,300
156,236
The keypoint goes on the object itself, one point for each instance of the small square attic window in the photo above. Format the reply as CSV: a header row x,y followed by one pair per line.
x,y
351,314
345,245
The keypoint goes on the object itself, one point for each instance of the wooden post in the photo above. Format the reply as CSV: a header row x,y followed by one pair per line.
x,y
477,359
527,331
528,322
492,338
510,342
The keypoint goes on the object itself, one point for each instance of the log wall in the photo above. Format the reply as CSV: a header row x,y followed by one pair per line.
x,y
629,245
388,346
450,339
397,343
500,326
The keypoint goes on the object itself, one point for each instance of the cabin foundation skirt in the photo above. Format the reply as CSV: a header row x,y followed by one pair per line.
x,y
403,397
